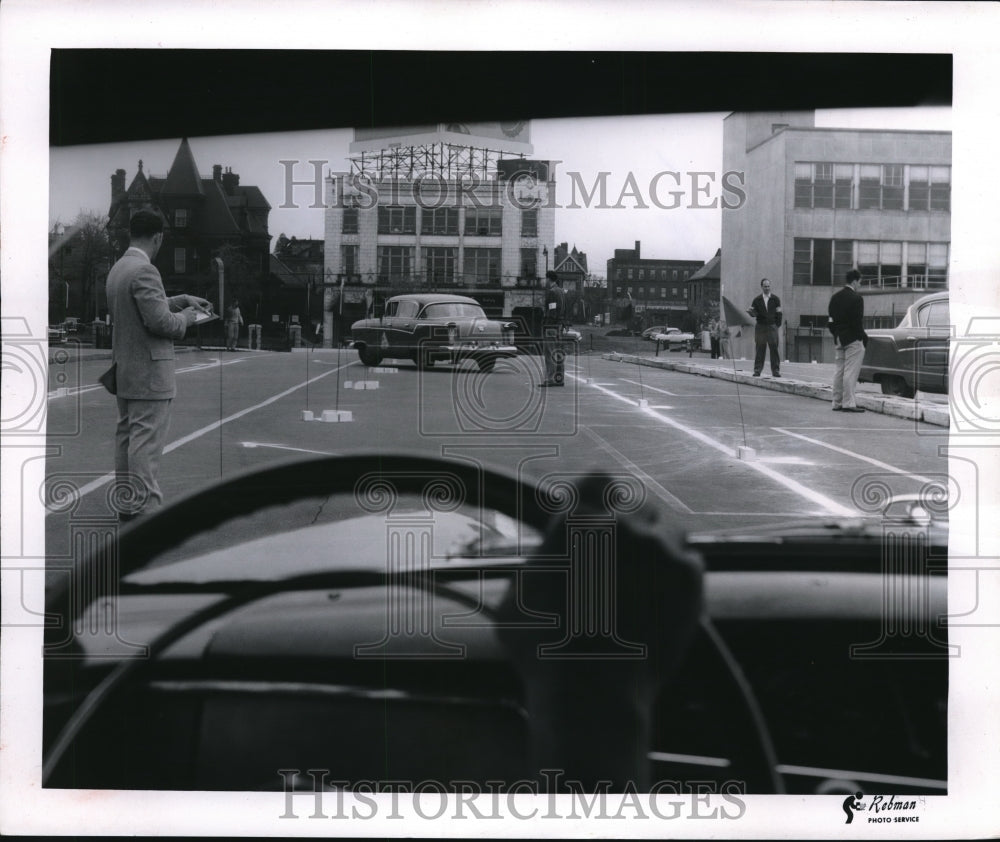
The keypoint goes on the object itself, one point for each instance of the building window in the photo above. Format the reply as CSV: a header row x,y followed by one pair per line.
x,y
397,220
675,274
483,222
442,221
529,222
529,264
482,266
395,263
642,274
812,262
349,260
642,291
892,187
673,291
630,275
180,218
663,292
180,260
618,290
937,266
881,264
868,262
439,265
350,221
891,264
843,260
823,185
930,188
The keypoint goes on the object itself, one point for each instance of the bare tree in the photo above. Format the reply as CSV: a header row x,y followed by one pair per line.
x,y
79,260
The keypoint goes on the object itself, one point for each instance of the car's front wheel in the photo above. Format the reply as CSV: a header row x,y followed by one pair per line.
x,y
369,356
896,386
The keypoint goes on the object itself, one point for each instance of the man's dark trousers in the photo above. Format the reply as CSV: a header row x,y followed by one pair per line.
x,y
764,337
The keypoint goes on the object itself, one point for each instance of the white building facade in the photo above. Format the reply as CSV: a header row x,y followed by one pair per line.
x,y
821,201
443,208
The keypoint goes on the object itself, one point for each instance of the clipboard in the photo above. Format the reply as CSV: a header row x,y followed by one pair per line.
x,y
203,318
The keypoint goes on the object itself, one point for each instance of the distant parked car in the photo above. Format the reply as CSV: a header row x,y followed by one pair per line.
x,y
429,328
913,356
673,338
72,324
649,331
57,334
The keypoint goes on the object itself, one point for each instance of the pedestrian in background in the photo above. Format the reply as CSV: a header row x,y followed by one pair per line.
x,y
725,352
846,323
715,338
552,326
142,349
234,320
766,309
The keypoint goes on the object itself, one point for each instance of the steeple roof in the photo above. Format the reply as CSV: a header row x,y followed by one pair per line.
x,y
183,178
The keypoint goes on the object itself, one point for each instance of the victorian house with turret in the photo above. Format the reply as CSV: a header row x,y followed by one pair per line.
x,y
207,219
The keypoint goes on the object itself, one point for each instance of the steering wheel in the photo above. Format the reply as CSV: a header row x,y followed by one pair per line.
x,y
144,540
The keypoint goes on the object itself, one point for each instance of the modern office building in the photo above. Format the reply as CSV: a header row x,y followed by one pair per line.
x,y
456,208
820,201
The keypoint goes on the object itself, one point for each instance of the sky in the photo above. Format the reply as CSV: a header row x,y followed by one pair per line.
x,y
632,150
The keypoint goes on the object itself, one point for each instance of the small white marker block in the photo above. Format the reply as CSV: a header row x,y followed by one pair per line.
x,y
307,415
381,370
348,384
815,363
643,403
334,415
366,384
746,454
62,391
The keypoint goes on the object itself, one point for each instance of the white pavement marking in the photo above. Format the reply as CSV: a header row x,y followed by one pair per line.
x,y
653,388
853,455
104,480
828,504
648,481
82,390
252,444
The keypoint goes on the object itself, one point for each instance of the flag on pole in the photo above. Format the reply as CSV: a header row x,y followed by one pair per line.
x,y
735,317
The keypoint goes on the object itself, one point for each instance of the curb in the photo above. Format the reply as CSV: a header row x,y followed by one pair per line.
x,y
911,410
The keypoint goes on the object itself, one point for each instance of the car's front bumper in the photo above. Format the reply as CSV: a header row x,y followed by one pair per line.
x,y
473,350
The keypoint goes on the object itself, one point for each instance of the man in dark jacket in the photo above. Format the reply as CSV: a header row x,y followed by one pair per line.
x,y
766,309
846,323
552,326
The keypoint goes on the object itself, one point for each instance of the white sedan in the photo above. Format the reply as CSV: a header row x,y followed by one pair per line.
x,y
674,338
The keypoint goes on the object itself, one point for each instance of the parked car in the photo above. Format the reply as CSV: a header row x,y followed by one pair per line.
x,y
649,331
429,328
913,356
57,335
236,653
673,338
72,324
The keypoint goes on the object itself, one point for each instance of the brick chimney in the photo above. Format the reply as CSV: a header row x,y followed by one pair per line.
x,y
217,172
230,181
637,250
117,184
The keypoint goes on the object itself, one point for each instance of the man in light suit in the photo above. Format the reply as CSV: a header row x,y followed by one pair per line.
x,y
146,323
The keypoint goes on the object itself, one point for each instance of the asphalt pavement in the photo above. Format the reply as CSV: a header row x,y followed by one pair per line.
x,y
807,379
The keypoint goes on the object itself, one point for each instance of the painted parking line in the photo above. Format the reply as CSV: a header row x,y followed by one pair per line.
x,y
83,390
669,499
652,388
885,466
215,425
829,505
